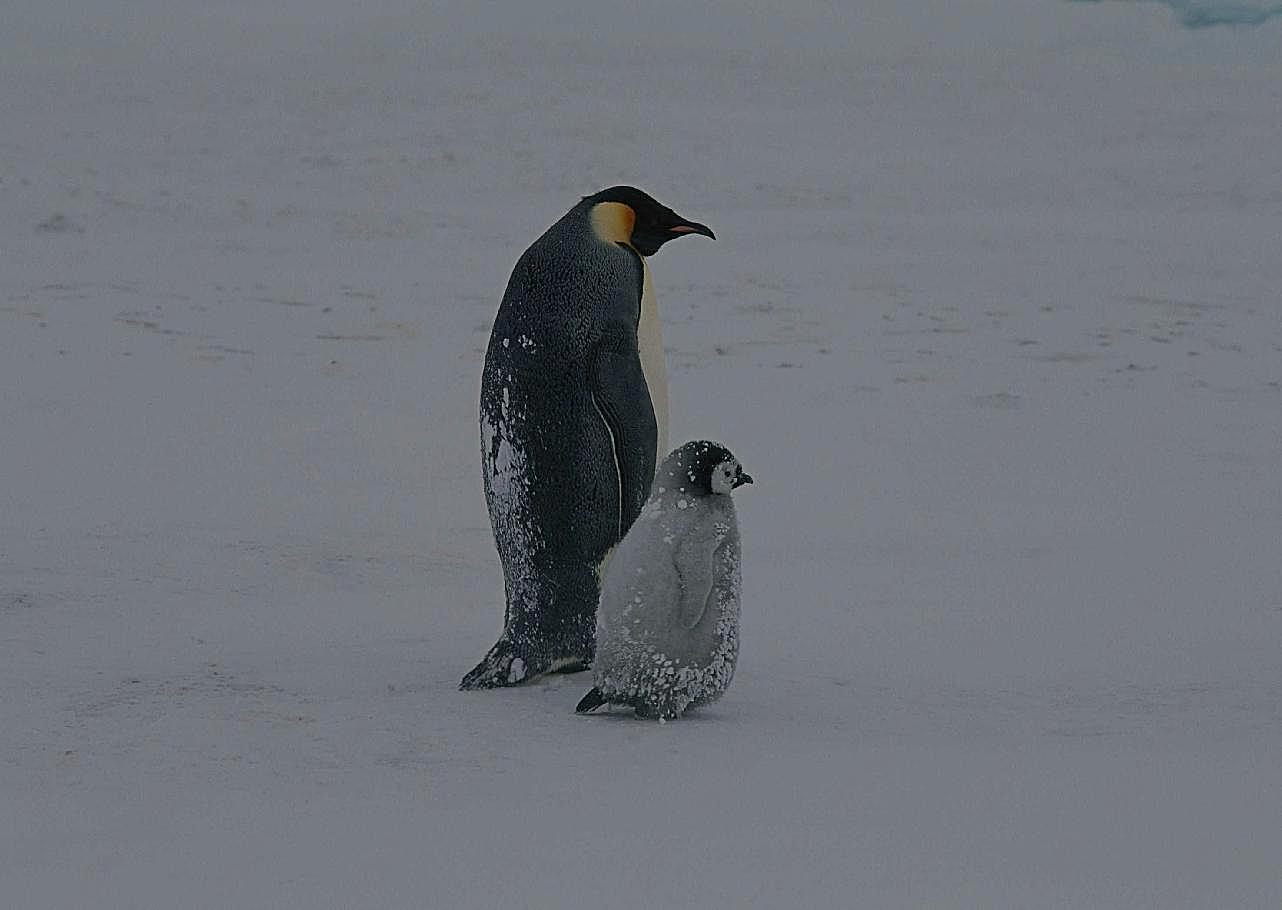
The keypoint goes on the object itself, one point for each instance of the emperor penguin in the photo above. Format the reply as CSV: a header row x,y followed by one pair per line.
x,y
668,623
573,411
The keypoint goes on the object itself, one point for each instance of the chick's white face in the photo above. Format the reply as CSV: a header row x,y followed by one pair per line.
x,y
725,477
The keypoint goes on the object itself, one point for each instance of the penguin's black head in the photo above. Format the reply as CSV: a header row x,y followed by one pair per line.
x,y
707,467
631,216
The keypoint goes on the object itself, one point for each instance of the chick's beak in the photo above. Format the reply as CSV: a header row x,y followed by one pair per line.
x,y
742,479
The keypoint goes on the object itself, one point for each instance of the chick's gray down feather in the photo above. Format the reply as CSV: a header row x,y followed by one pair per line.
x,y
668,620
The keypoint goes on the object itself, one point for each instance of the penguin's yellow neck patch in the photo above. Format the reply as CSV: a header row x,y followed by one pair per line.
x,y
613,222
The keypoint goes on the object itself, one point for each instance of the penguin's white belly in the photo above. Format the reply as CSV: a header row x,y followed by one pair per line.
x,y
653,364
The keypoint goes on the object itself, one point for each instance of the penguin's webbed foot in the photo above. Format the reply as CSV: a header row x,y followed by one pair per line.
x,y
503,666
590,702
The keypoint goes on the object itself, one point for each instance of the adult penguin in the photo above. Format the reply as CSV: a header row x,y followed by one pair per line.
x,y
573,412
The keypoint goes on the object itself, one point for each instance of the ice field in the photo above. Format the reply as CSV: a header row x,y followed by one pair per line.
x,y
993,318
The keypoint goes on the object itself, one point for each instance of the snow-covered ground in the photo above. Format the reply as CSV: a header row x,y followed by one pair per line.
x,y
993,319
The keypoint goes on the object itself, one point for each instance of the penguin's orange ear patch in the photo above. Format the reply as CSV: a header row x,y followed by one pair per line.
x,y
613,222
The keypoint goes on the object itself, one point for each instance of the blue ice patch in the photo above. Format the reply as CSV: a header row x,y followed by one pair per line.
x,y
1205,13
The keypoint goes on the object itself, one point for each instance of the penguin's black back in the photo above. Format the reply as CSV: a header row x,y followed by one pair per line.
x,y
571,300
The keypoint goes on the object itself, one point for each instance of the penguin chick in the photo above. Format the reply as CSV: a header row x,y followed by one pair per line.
x,y
668,620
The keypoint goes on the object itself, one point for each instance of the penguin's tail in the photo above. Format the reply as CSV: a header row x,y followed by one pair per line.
x,y
590,702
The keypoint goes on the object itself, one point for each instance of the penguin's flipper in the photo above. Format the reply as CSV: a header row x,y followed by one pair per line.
x,y
693,561
590,702
621,394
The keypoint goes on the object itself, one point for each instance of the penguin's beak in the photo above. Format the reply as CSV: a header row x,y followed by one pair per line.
x,y
648,237
742,479
692,227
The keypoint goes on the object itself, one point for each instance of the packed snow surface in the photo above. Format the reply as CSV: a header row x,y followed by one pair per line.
x,y
993,319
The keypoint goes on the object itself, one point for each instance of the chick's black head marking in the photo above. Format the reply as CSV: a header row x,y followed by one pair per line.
x,y
703,468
